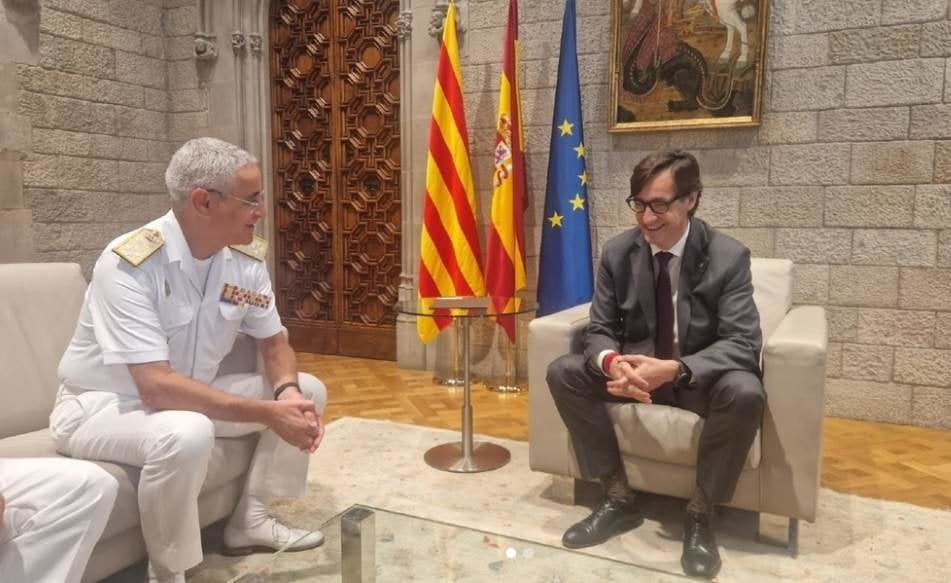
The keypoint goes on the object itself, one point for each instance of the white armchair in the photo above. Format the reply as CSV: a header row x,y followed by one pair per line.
x,y
781,477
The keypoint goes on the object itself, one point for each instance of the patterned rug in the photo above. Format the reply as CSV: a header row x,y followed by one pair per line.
x,y
380,464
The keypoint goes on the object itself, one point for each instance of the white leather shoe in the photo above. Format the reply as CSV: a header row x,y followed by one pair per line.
x,y
268,537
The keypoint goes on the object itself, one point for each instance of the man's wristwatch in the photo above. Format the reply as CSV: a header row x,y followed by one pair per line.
x,y
282,388
684,378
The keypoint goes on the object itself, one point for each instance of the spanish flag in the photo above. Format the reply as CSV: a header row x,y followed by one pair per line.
x,y
450,263
505,263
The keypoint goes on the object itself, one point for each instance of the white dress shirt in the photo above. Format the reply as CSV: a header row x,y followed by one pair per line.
x,y
673,269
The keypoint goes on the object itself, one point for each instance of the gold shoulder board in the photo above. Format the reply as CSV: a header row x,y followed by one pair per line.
x,y
256,250
140,246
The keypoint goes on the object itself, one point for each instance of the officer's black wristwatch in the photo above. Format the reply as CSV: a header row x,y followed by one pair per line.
x,y
684,378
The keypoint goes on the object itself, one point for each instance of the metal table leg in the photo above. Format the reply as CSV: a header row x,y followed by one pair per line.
x,y
467,456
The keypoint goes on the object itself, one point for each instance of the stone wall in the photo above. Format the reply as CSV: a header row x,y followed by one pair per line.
x,y
95,95
848,175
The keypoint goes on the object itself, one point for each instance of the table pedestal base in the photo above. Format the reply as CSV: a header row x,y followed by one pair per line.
x,y
485,456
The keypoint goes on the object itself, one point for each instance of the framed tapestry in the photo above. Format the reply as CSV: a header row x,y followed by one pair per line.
x,y
679,64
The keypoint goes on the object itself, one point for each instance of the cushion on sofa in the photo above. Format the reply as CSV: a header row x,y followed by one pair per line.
x,y
40,307
663,434
772,291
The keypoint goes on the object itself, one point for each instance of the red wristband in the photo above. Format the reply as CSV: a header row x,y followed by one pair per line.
x,y
606,364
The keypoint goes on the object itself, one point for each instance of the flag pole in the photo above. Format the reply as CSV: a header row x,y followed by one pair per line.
x,y
509,382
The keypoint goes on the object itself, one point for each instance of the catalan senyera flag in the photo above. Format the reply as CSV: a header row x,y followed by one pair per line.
x,y
450,263
505,261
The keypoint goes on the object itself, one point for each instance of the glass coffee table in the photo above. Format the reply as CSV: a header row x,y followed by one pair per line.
x,y
365,544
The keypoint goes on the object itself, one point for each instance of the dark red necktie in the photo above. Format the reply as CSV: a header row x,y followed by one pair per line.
x,y
664,335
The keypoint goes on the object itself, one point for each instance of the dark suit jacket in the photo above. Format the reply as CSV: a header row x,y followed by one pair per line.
x,y
718,324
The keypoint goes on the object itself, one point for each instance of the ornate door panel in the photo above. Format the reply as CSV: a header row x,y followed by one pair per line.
x,y
335,148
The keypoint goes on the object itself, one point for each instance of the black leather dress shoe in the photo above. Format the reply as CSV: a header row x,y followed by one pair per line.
x,y
611,517
701,557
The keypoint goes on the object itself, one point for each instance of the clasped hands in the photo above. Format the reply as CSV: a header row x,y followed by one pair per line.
x,y
295,419
634,376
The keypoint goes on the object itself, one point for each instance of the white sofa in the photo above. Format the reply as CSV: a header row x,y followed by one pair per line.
x,y
39,307
659,444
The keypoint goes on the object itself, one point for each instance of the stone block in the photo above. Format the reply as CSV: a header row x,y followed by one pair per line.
x,y
866,286
137,16
188,100
111,36
160,151
905,247
944,248
14,132
930,121
892,162
896,327
62,84
185,126
788,127
93,9
153,46
178,48
820,15
53,206
925,288
11,181
810,283
78,236
47,111
923,366
814,245
843,323
797,51
61,24
895,11
184,75
942,161
140,123
76,57
868,362
809,164
42,171
826,89
909,81
140,70
16,236
144,177
781,207
869,206
720,207
931,407
834,360
874,44
936,39
156,99
734,167
933,206
856,125
942,336
759,241
868,400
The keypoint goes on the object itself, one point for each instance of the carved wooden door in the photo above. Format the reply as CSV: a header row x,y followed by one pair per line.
x,y
335,144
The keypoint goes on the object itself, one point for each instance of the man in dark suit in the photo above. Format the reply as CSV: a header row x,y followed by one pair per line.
x,y
672,323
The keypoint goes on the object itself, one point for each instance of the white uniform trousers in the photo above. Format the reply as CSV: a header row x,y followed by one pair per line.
x,y
56,509
173,449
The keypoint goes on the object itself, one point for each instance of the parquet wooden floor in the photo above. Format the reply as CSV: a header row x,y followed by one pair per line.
x,y
876,460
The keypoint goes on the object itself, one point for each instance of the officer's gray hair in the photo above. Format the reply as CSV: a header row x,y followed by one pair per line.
x,y
207,163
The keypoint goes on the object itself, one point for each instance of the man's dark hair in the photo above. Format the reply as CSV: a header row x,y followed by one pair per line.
x,y
682,165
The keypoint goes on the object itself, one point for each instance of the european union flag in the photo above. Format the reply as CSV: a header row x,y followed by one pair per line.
x,y
564,268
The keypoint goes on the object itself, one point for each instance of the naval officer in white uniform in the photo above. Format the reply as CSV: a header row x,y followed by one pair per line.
x,y
140,383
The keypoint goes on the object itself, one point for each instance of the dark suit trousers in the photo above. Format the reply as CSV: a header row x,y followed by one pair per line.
x,y
732,408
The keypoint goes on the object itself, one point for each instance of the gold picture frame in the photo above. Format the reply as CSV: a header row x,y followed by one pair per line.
x,y
671,67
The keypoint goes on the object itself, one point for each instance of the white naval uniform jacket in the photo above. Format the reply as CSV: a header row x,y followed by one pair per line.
x,y
161,311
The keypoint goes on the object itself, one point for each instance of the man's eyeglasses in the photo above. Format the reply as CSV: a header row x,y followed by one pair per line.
x,y
256,202
658,207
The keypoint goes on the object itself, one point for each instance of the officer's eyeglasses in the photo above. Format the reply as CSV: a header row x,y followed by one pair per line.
x,y
255,202
658,207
